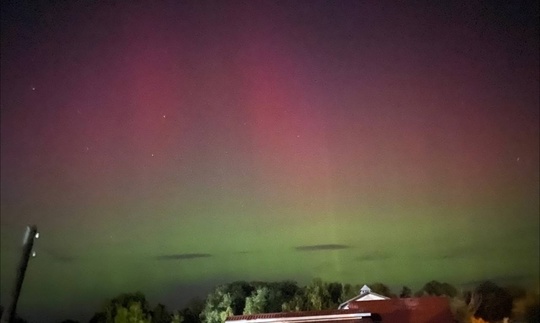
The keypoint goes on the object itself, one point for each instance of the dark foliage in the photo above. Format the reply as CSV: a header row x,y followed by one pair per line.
x,y
436,288
123,300
533,314
160,314
190,316
239,290
335,290
192,311
99,317
381,289
406,292
495,303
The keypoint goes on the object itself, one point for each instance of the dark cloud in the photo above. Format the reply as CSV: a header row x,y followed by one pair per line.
x,y
455,254
373,256
319,247
184,256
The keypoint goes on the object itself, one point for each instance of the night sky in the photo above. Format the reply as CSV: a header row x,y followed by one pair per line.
x,y
168,146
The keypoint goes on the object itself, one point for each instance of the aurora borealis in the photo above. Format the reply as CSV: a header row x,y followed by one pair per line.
x,y
168,146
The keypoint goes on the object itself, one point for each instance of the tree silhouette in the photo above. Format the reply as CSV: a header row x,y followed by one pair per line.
x,y
493,302
381,289
133,313
436,288
317,295
191,313
406,292
218,306
258,302
160,314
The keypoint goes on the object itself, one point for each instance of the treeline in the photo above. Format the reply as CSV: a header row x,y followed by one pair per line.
x,y
242,297
487,301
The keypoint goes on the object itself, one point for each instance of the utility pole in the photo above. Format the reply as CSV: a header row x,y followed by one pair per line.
x,y
28,243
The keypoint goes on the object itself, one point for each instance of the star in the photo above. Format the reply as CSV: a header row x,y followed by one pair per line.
x,y
33,88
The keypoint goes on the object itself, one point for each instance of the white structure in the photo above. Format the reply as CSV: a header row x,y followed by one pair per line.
x,y
365,295
301,317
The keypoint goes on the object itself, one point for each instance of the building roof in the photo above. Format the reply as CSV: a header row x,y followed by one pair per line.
x,y
365,289
395,310
341,316
408,310
365,295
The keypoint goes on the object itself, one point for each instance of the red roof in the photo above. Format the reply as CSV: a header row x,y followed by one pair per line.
x,y
408,310
394,310
341,316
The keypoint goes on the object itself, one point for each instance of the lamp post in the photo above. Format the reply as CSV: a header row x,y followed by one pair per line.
x,y
28,242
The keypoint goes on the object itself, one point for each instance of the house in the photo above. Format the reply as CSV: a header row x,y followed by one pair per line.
x,y
395,310
408,310
365,295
